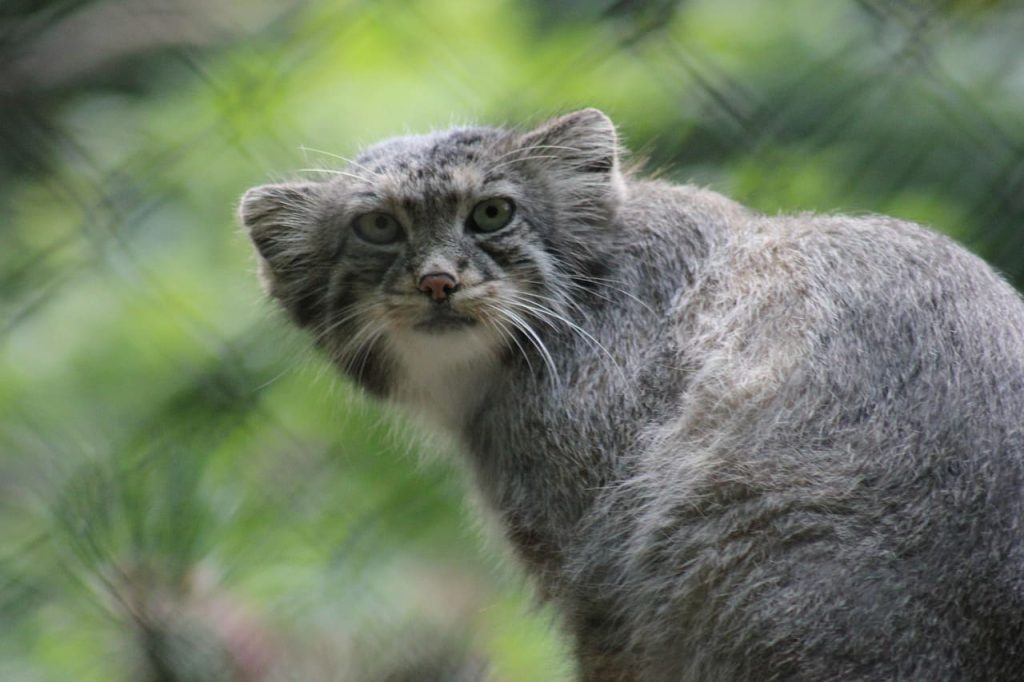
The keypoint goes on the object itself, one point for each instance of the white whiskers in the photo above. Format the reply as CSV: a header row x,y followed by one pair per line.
x,y
533,304
331,171
355,351
516,321
339,157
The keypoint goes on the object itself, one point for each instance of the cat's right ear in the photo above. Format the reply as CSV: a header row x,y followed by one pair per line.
x,y
277,217
281,221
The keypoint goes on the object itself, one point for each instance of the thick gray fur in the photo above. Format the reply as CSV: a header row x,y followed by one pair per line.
x,y
727,446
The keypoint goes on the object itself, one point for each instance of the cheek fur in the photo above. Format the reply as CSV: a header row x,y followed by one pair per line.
x,y
484,264
507,250
523,260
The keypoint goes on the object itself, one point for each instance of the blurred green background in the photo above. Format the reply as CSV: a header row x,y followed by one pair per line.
x,y
186,491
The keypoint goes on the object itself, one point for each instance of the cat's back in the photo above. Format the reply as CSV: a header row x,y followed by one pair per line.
x,y
842,485
831,351
857,302
820,325
758,300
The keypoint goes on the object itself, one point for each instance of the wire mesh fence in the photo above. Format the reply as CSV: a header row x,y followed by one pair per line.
x,y
187,492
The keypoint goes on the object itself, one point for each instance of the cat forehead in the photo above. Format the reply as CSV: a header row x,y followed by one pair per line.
x,y
425,154
459,160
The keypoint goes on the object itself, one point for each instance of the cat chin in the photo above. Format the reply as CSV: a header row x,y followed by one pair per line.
x,y
443,372
451,341
445,323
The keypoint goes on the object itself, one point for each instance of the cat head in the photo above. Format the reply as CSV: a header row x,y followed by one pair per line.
x,y
477,238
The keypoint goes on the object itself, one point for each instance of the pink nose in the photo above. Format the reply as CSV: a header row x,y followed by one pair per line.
x,y
438,285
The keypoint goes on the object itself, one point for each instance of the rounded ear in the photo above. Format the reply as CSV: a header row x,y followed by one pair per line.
x,y
581,151
585,138
281,221
277,216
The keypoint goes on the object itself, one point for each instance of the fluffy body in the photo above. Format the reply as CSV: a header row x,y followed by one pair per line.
x,y
727,446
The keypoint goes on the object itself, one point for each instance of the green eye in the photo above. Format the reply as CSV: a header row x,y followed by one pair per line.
x,y
490,215
377,228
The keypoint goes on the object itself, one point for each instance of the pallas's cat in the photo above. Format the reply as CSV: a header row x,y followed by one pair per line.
x,y
726,446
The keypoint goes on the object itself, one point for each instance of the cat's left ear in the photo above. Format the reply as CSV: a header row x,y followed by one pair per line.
x,y
580,151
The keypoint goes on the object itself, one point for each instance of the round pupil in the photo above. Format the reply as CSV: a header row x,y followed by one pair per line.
x,y
381,222
491,211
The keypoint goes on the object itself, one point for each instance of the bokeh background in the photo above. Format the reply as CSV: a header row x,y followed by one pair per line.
x,y
186,491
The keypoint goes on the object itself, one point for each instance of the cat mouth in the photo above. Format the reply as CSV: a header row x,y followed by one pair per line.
x,y
443,320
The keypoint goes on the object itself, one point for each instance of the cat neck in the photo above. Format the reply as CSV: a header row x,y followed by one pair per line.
x,y
442,377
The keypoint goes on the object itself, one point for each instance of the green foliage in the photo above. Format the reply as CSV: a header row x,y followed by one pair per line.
x,y
172,456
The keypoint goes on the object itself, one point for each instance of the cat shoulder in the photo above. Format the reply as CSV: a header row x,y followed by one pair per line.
x,y
663,206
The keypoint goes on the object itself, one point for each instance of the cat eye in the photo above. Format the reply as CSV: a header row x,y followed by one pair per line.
x,y
377,227
490,215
